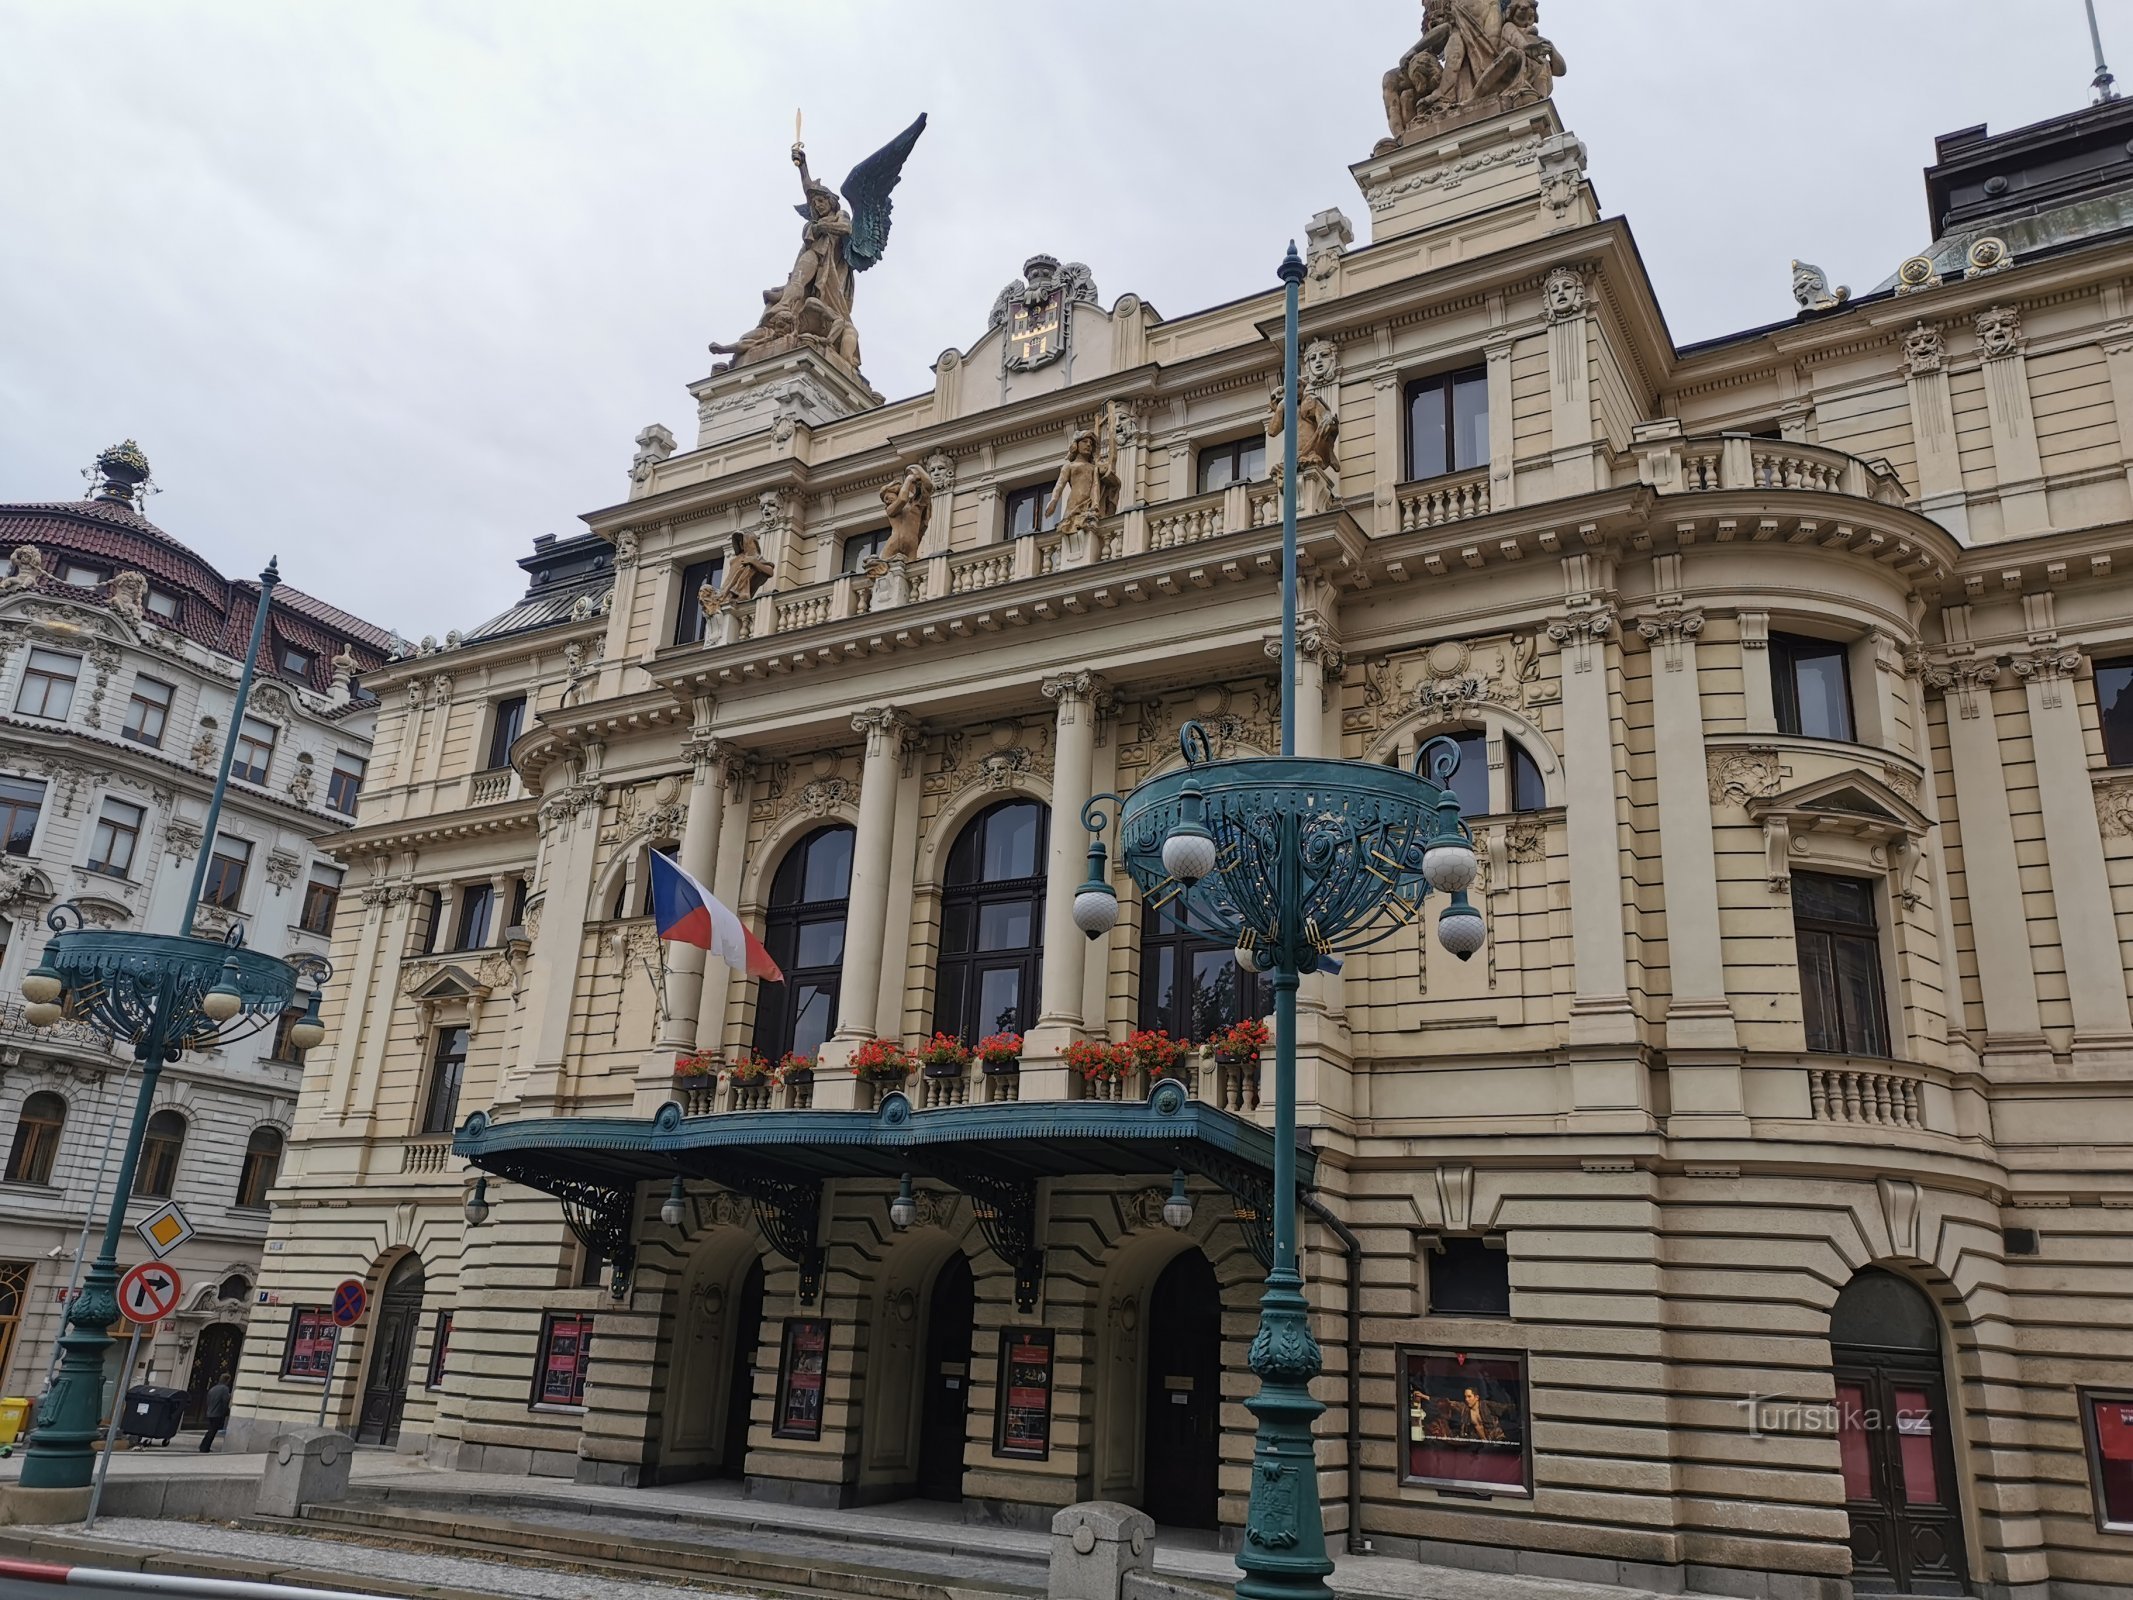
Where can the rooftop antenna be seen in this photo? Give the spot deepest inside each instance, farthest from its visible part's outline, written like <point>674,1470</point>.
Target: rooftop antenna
<point>2104,82</point>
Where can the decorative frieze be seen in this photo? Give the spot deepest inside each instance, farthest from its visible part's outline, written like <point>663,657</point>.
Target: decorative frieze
<point>2114,807</point>
<point>1739,776</point>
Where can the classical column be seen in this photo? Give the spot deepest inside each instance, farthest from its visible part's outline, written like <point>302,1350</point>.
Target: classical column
<point>859,996</point>
<point>1703,1046</point>
<point>1073,760</point>
<point>2006,976</point>
<point>699,859</point>
<point>735,771</point>
<point>2073,841</point>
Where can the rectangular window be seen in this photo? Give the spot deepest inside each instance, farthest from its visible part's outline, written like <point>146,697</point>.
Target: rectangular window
<point>114,839</point>
<point>2114,708</point>
<point>48,685</point>
<point>285,1049</point>
<point>148,712</point>
<point>432,909</point>
<point>861,548</point>
<point>1022,1426</point>
<point>1469,1277</point>
<point>345,782</point>
<point>297,662</point>
<point>1811,686</point>
<point>696,577</point>
<point>80,575</point>
<point>21,801</point>
<point>440,1351</point>
<point>2107,1420</point>
<point>225,872</point>
<point>1464,1416</point>
<point>448,1070</point>
<point>1025,512</point>
<point>162,603</point>
<point>1239,461</point>
<point>803,1373</point>
<point>477,903</point>
<point>592,1267</point>
<point>321,895</point>
<point>504,731</point>
<point>1841,997</point>
<point>255,750</point>
<point>312,1338</point>
<point>1448,423</point>
<point>566,1346</point>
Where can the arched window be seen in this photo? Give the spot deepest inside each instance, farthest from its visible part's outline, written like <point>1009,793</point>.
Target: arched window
<point>235,1287</point>
<point>1191,985</point>
<point>804,934</point>
<point>1529,791</point>
<point>37,1130</point>
<point>262,1165</point>
<point>992,923</point>
<point>160,1148</point>
<point>633,889</point>
<point>1524,787</point>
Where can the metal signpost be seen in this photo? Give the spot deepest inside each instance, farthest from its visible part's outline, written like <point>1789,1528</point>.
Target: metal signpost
<point>146,1295</point>
<point>350,1300</point>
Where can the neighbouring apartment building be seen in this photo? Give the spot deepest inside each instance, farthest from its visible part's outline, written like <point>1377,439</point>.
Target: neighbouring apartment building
<point>1750,1213</point>
<point>120,650</point>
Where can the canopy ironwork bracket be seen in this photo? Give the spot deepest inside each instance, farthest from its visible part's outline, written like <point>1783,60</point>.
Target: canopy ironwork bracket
<point>1007,1216</point>
<point>1253,1191</point>
<point>600,1215</point>
<point>789,1212</point>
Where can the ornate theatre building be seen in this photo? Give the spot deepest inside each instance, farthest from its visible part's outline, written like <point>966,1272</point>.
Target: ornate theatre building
<point>1749,1213</point>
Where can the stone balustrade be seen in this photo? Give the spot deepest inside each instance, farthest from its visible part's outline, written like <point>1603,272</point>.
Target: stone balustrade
<point>1672,464</point>
<point>490,788</point>
<point>1232,1086</point>
<point>1187,522</point>
<point>981,569</point>
<point>1436,501</point>
<point>1864,1098</point>
<point>425,1155</point>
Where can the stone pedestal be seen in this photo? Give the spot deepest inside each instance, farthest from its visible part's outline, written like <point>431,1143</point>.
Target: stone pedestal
<point>306,1467</point>
<point>1488,168</point>
<point>776,394</point>
<point>892,588</point>
<point>1094,1546</point>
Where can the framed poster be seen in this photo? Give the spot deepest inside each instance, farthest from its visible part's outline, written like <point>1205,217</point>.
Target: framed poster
<point>308,1355</point>
<point>1022,1429</point>
<point>803,1375</point>
<point>559,1371</point>
<point>1464,1420</point>
<point>2107,1420</point>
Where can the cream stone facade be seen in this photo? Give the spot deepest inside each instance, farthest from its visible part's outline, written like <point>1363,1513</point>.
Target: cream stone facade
<point>1795,1078</point>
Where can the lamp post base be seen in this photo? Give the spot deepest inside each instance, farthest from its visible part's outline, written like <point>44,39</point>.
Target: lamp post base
<point>62,1453</point>
<point>1284,1550</point>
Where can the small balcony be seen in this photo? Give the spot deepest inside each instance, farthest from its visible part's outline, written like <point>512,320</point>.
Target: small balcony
<point>1672,464</point>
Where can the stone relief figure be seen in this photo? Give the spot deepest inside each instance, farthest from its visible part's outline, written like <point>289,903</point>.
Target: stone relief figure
<point>29,569</point>
<point>1088,483</point>
<point>812,309</point>
<point>129,594</point>
<point>909,504</point>
<point>1475,58</point>
<point>747,569</point>
<point>1810,287</point>
<point>1317,432</point>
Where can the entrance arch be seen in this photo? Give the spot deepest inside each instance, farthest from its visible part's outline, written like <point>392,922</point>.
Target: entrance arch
<point>713,1329</point>
<point>1182,1394</point>
<point>1895,1439</point>
<point>944,1400</point>
<point>392,1344</point>
<point>215,1358</point>
<point>914,1421</point>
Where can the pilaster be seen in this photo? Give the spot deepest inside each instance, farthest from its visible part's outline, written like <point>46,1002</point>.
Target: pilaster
<point>2017,463</point>
<point>570,824</point>
<point>1503,440</point>
<point>734,770</point>
<point>1391,452</point>
<point>699,858</point>
<point>1940,472</point>
<point>1569,382</point>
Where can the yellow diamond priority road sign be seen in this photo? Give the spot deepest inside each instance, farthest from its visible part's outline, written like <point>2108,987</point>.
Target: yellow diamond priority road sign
<point>164,1229</point>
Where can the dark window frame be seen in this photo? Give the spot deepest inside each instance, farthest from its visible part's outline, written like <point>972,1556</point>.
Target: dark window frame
<point>2088,1399</point>
<point>977,895</point>
<point>35,1148</point>
<point>321,900</point>
<point>1032,495</point>
<point>297,660</point>
<point>1415,428</point>
<point>1232,454</point>
<point>1788,651</point>
<point>1404,1432</point>
<point>250,744</point>
<point>470,932</point>
<point>2117,732</point>
<point>156,1178</point>
<point>316,1325</point>
<point>284,1048</point>
<point>140,707</point>
<point>15,839</point>
<point>507,720</point>
<point>1250,994</point>
<point>344,784</point>
<point>855,550</point>
<point>689,620</point>
<point>440,1349</point>
<point>128,832</point>
<point>1470,1249</point>
<point>1818,941</point>
<point>788,915</point>
<point>445,1082</point>
<point>47,681</point>
<point>251,1187</point>
<point>223,887</point>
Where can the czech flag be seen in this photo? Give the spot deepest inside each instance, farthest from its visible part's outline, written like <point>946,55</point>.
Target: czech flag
<point>688,913</point>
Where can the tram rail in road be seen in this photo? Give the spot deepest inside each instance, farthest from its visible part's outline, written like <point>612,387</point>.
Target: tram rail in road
<point>44,1580</point>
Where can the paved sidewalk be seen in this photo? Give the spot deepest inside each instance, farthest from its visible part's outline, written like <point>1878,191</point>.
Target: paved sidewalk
<point>716,1513</point>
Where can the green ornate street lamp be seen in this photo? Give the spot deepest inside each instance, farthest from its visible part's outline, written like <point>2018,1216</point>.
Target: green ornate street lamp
<point>1295,862</point>
<point>163,994</point>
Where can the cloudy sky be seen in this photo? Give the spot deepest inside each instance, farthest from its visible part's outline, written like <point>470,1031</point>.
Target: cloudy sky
<point>388,287</point>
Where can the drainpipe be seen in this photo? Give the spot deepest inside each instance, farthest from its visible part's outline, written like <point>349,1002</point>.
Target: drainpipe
<point>1352,1249</point>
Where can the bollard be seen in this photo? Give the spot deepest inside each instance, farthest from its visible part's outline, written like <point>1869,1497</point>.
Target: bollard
<point>1094,1546</point>
<point>305,1468</point>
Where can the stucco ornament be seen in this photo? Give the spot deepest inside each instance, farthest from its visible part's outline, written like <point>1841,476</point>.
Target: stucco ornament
<point>1475,58</point>
<point>29,569</point>
<point>654,445</point>
<point>1036,309</point>
<point>1923,351</point>
<point>812,309</point>
<point>1999,332</point>
<point>1565,294</point>
<point>1810,287</point>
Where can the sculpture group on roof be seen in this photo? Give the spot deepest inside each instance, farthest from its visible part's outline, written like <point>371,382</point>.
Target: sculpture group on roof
<point>1475,58</point>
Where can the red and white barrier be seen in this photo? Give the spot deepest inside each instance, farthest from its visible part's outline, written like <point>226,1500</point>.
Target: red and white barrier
<point>36,1580</point>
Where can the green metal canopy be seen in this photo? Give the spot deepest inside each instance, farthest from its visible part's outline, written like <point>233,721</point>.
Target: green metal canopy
<point>780,1159</point>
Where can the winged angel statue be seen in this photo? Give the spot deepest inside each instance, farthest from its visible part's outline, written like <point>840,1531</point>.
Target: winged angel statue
<point>812,309</point>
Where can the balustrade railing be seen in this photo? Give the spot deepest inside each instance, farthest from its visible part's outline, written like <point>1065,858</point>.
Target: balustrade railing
<point>950,1090</point>
<point>981,569</point>
<point>428,1156</point>
<point>1865,1099</point>
<point>805,610</point>
<point>1186,523</point>
<point>1676,465</point>
<point>1436,501</point>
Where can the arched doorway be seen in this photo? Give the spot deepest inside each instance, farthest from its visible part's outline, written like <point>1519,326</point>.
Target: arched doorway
<point>1894,1439</point>
<point>944,1404</point>
<point>214,1361</point>
<point>740,1371</point>
<point>1183,1395</point>
<point>392,1342</point>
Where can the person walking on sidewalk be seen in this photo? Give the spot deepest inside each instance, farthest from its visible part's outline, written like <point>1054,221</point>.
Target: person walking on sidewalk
<point>218,1413</point>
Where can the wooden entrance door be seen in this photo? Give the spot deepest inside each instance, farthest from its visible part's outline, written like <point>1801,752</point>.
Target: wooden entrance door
<point>1184,1394</point>
<point>214,1361</point>
<point>1895,1441</point>
<point>398,1317</point>
<point>945,1405</point>
<point>740,1372</point>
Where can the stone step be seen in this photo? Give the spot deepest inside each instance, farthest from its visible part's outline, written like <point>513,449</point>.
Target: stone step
<point>788,1574</point>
